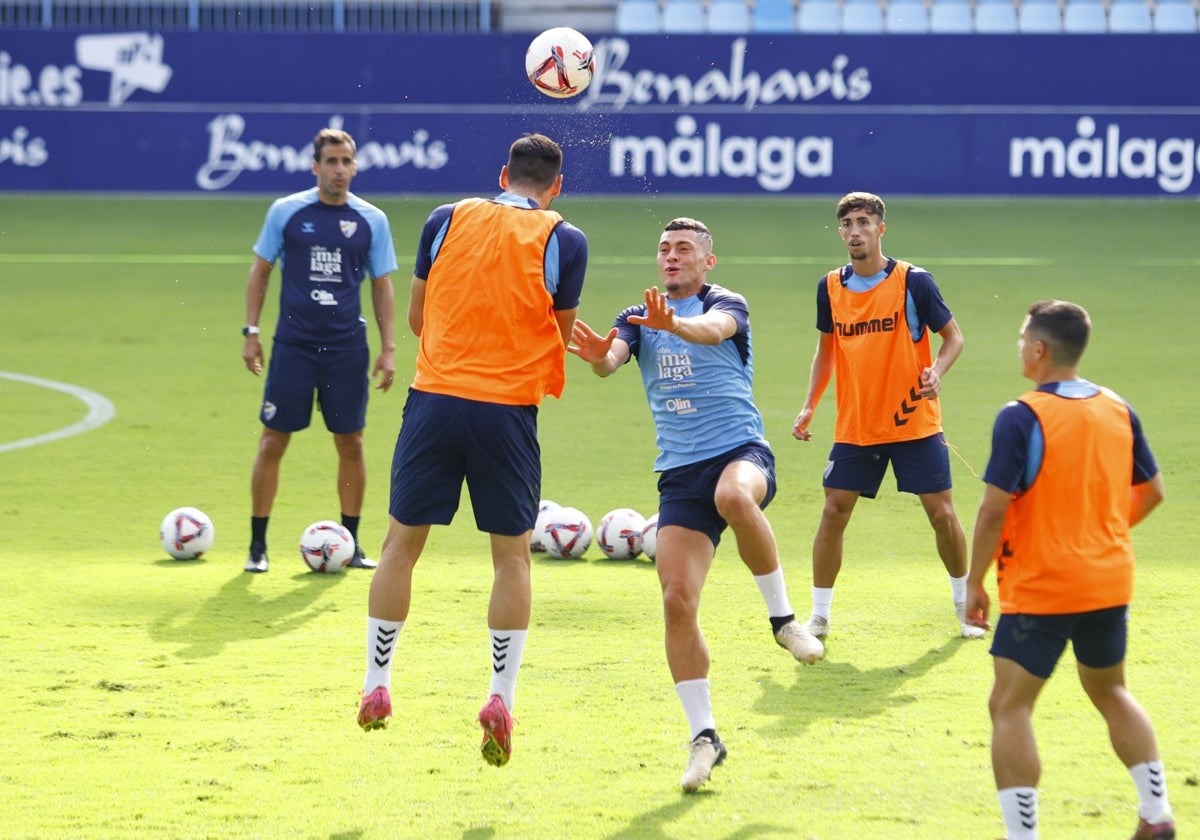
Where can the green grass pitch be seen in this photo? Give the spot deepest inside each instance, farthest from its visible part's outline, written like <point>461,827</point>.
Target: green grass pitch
<point>145,697</point>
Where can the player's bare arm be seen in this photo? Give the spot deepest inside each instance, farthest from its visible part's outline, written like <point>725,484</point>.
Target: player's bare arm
<point>256,292</point>
<point>384,303</point>
<point>712,327</point>
<point>416,305</point>
<point>566,322</point>
<point>989,524</point>
<point>1144,497</point>
<point>818,381</point>
<point>948,353</point>
<point>602,352</point>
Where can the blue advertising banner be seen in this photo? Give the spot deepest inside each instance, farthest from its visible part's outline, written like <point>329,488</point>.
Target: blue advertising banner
<point>985,115</point>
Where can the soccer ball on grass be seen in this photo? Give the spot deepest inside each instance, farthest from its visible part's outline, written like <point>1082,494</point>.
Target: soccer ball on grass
<point>186,533</point>
<point>567,534</point>
<point>326,546</point>
<point>620,533</point>
<point>537,536</point>
<point>650,537</point>
<point>560,62</point>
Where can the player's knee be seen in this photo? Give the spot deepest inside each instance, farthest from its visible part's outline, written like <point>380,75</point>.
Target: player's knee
<point>272,444</point>
<point>349,446</point>
<point>680,603</point>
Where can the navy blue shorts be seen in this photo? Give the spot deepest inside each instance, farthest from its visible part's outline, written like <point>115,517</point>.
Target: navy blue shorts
<point>446,440</point>
<point>338,377</point>
<point>920,466</point>
<point>686,494</point>
<point>1036,642</point>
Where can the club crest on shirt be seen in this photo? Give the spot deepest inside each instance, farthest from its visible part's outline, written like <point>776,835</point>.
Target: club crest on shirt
<point>348,227</point>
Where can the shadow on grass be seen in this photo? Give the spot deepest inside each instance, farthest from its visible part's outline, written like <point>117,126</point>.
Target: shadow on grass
<point>652,825</point>
<point>841,691</point>
<point>236,612</point>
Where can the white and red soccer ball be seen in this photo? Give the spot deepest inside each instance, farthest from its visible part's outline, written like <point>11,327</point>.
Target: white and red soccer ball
<point>620,533</point>
<point>186,533</point>
<point>326,546</point>
<point>650,537</point>
<point>560,62</point>
<point>567,533</point>
<point>537,536</point>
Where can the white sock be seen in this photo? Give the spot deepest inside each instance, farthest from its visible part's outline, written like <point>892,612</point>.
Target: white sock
<point>958,591</point>
<point>822,601</point>
<point>1019,805</point>
<point>774,592</point>
<point>381,644</point>
<point>697,704</point>
<point>508,646</point>
<point>1151,782</point>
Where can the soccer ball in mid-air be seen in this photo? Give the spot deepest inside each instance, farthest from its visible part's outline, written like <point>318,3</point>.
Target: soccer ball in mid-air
<point>186,533</point>
<point>650,537</point>
<point>536,537</point>
<point>326,546</point>
<point>620,533</point>
<point>567,534</point>
<point>560,62</point>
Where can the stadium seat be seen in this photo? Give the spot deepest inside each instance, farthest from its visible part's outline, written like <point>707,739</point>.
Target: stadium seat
<point>1038,17</point>
<point>1084,16</point>
<point>907,16</point>
<point>1174,17</point>
<point>635,17</point>
<point>951,16</point>
<point>682,17</point>
<point>819,16</point>
<point>994,18</point>
<point>862,17</point>
<point>1130,17</point>
<point>773,16</point>
<point>728,16</point>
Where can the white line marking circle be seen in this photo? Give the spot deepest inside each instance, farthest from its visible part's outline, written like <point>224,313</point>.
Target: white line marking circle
<point>100,411</point>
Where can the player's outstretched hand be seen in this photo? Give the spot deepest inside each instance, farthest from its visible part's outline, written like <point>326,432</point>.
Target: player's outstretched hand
<point>660,315</point>
<point>588,344</point>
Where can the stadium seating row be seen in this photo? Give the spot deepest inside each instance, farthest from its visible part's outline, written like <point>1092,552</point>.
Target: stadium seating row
<point>904,16</point>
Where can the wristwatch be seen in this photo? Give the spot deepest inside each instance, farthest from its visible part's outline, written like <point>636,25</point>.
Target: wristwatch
<point>249,330</point>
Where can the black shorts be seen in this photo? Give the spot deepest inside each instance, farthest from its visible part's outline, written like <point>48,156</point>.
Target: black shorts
<point>921,466</point>
<point>686,494</point>
<point>1036,642</point>
<point>445,440</point>
<point>338,378</point>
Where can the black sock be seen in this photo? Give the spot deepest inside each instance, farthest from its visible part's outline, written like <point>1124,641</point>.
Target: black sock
<point>258,530</point>
<point>351,525</point>
<point>777,621</point>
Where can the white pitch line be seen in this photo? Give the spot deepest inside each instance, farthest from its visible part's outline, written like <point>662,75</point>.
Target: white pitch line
<point>100,411</point>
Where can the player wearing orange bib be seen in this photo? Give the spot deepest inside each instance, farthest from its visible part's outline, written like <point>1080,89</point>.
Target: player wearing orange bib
<point>495,290</point>
<point>1070,474</point>
<point>875,315</point>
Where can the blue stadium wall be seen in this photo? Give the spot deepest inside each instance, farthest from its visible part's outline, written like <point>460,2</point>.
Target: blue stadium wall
<point>1080,115</point>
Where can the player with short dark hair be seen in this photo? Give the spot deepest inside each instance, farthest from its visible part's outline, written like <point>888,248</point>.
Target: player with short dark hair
<point>327,241</point>
<point>494,294</point>
<point>875,315</point>
<point>1069,476</point>
<point>692,345</point>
